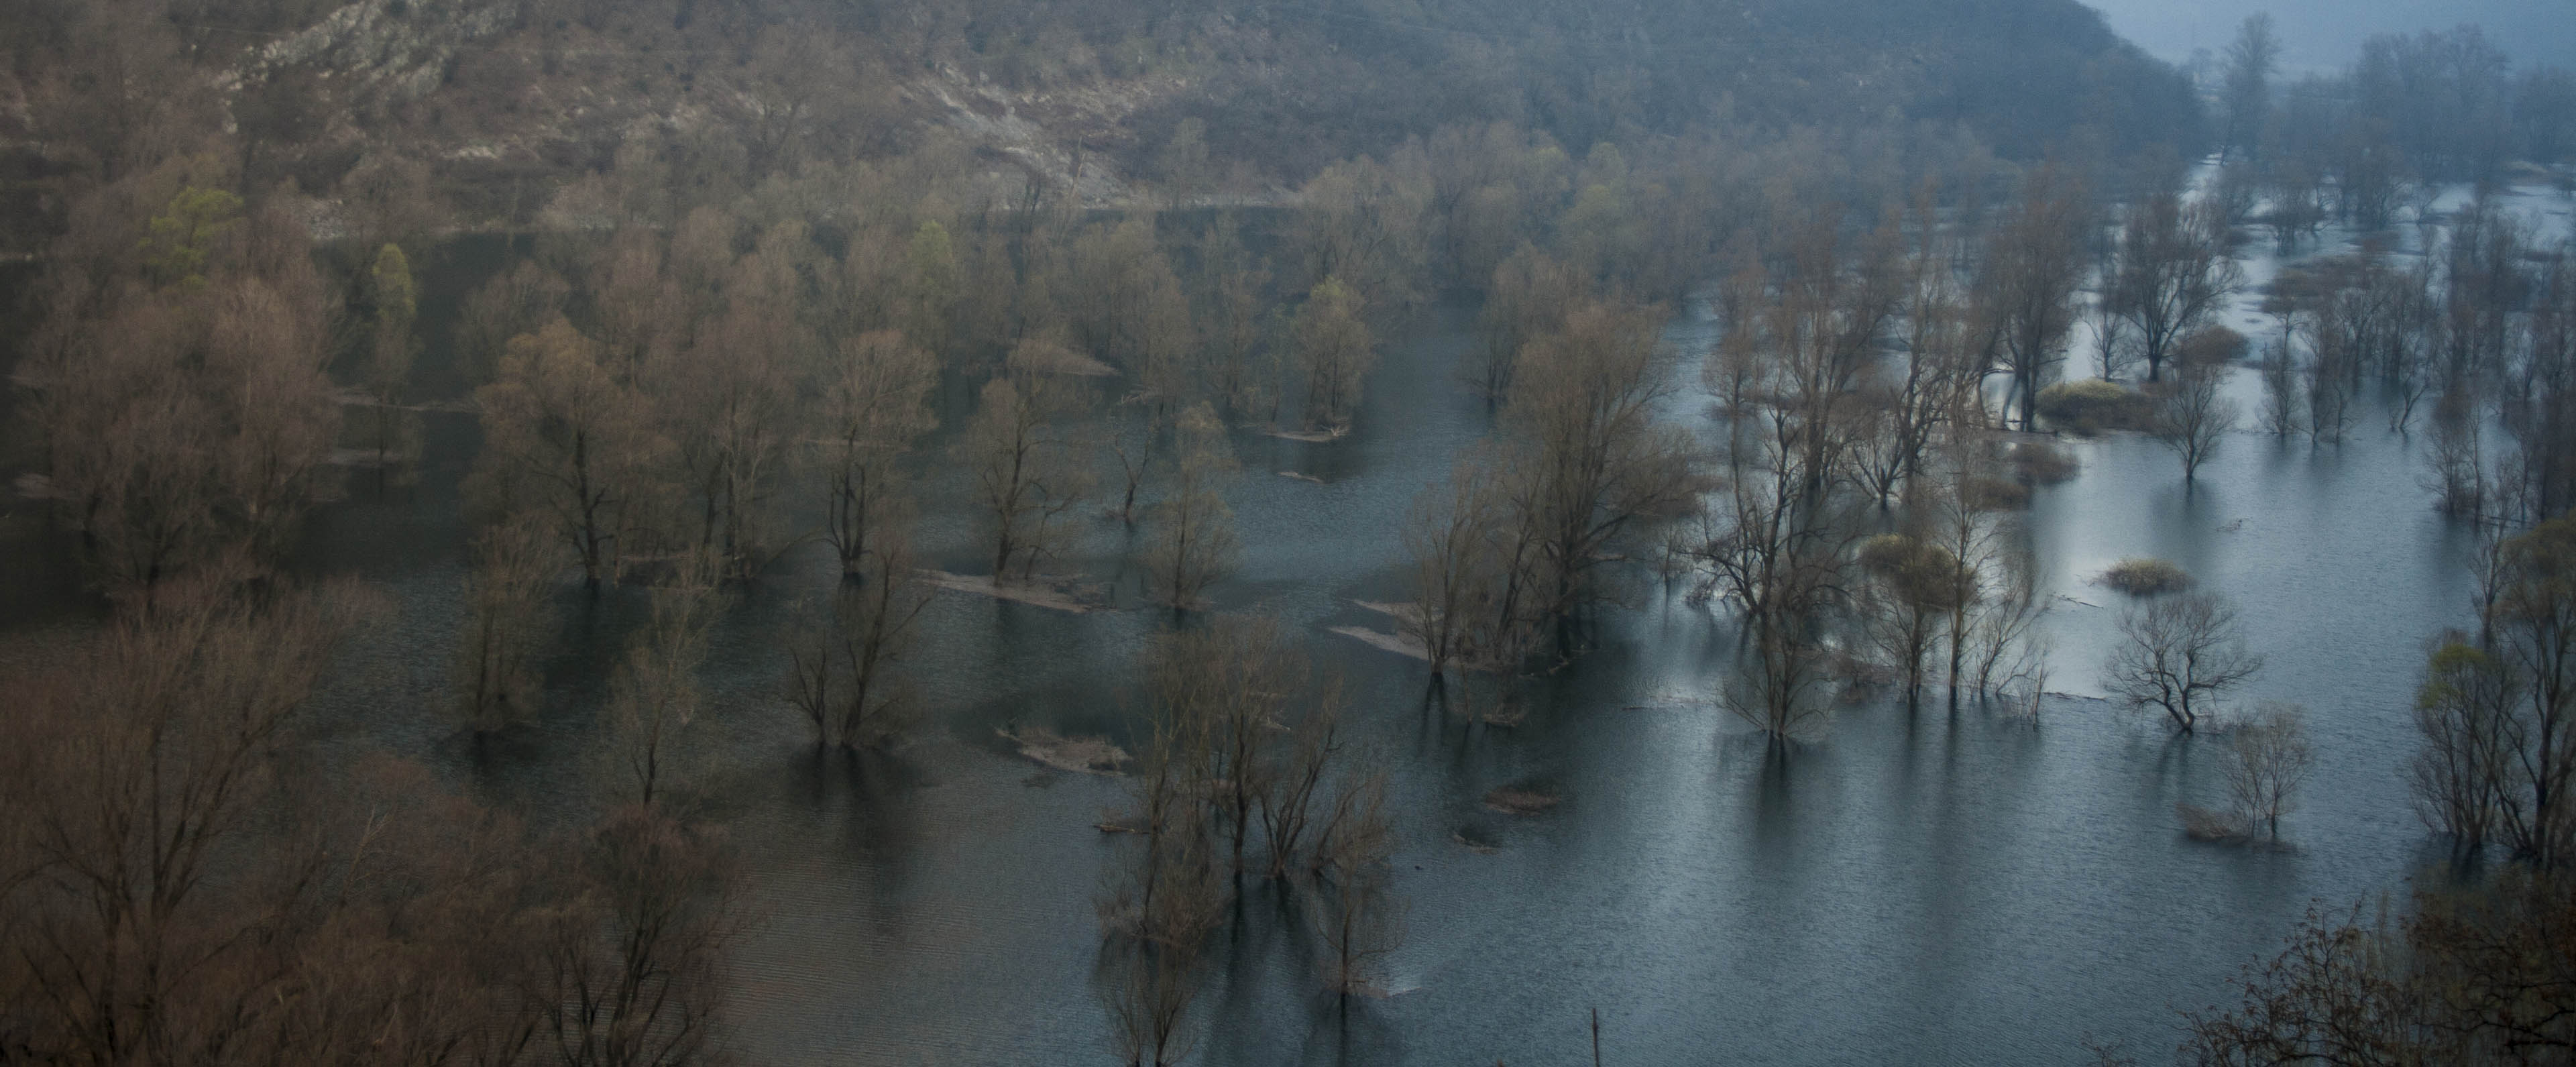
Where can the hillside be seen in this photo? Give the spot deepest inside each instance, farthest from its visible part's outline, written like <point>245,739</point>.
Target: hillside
<point>496,106</point>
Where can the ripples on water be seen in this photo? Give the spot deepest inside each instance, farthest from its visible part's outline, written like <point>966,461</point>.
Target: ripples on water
<point>1916,888</point>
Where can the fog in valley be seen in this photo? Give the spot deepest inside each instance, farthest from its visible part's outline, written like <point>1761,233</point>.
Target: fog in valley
<point>678,532</point>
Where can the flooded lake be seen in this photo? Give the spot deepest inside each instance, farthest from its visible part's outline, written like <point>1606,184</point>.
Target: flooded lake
<point>1920,888</point>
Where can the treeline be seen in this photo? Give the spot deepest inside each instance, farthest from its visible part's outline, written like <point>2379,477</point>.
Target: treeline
<point>2414,112</point>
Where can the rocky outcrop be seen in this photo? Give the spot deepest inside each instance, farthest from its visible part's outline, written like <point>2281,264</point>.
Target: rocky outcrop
<point>400,49</point>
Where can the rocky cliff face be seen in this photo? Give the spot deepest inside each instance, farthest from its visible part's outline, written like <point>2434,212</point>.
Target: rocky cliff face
<point>395,50</point>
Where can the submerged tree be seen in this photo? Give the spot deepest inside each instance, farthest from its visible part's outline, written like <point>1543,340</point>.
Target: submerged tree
<point>1527,296</point>
<point>1225,687</point>
<point>2179,655</point>
<point>1913,592</point>
<point>569,438</point>
<point>1335,351</point>
<point>2030,274</point>
<point>2191,416</point>
<point>2172,273</point>
<point>728,400</point>
<point>507,626</point>
<point>874,411</point>
<point>2477,975</point>
<point>2268,758</point>
<point>1028,470</point>
<point>1596,463</point>
<point>845,658</point>
<point>656,696</point>
<point>634,972</point>
<point>2498,712</point>
<point>1355,910</point>
<point>1193,542</point>
<point>1458,572</point>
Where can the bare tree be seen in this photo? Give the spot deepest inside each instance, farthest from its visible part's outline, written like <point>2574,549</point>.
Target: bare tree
<point>1449,537</point>
<point>1914,590</point>
<point>1362,223</point>
<point>1193,542</point>
<point>1295,783</point>
<point>567,437</point>
<point>2172,273</point>
<point>2329,375</point>
<point>634,971</point>
<point>874,411</point>
<point>1161,905</point>
<point>1909,407</point>
<point>141,915</point>
<point>1527,296</point>
<point>1784,564</point>
<point>655,696</point>
<point>2179,655</point>
<point>519,300</point>
<point>1598,463</point>
<point>1334,348</point>
<point>1355,911</point>
<point>2455,977</point>
<point>1989,594</point>
<point>183,408</point>
<point>2028,282</point>
<point>1135,438</point>
<point>728,399</point>
<point>1240,371</point>
<point>2455,457</point>
<point>2463,773</point>
<point>2268,758</point>
<point>2279,371</point>
<point>2247,81</point>
<point>507,626</point>
<point>2191,416</point>
<point>2008,650</point>
<point>1027,468</point>
<point>1226,687</point>
<point>2532,628</point>
<point>846,661</point>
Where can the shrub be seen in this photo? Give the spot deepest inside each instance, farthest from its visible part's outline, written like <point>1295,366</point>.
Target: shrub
<point>2041,463</point>
<point>1998,494</point>
<point>2092,405</point>
<point>2139,576</point>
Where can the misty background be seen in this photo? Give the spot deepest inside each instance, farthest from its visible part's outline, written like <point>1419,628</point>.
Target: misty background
<point>2324,35</point>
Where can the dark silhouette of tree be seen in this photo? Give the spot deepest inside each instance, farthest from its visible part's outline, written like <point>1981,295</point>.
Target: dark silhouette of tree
<point>2179,654</point>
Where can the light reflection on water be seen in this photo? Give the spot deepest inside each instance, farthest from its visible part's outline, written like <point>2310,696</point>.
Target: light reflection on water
<point>1914,888</point>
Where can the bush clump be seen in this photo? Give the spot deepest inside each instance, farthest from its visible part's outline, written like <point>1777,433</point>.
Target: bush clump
<point>1923,574</point>
<point>1997,494</point>
<point>2139,576</point>
<point>2041,463</point>
<point>2092,405</point>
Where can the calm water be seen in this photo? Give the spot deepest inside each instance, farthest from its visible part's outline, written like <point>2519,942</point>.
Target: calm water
<point>1914,888</point>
